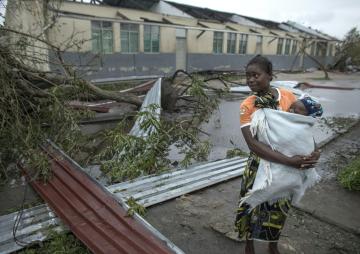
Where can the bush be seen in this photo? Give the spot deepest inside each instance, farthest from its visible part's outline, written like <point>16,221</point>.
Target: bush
<point>349,177</point>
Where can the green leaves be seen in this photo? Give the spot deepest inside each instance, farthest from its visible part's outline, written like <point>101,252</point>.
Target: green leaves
<point>349,177</point>
<point>128,156</point>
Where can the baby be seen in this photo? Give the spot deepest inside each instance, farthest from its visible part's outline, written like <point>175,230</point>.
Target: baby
<point>306,106</point>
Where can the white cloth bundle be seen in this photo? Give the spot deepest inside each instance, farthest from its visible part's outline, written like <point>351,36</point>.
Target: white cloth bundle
<point>289,134</point>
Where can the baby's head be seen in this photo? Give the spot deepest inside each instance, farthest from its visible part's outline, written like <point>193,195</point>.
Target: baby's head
<point>307,107</point>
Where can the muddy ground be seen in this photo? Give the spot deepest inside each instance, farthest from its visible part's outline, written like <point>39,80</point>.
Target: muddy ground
<point>202,222</point>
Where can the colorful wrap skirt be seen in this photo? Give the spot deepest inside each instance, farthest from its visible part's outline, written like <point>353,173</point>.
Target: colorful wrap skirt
<point>265,221</point>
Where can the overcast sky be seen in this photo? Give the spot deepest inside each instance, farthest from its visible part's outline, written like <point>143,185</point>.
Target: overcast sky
<point>334,17</point>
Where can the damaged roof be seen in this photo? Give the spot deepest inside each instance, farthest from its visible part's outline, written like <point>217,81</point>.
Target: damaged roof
<point>204,13</point>
<point>218,16</point>
<point>310,31</point>
<point>133,4</point>
<point>265,23</point>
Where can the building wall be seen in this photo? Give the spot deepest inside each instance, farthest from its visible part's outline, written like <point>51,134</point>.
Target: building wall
<point>69,31</point>
<point>167,40</point>
<point>200,54</point>
<point>28,17</point>
<point>198,62</point>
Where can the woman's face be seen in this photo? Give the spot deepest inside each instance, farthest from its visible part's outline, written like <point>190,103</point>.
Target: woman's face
<point>257,79</point>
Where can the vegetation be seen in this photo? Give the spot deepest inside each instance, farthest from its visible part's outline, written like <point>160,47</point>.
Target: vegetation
<point>134,207</point>
<point>348,51</point>
<point>231,153</point>
<point>33,108</point>
<point>349,177</point>
<point>127,156</point>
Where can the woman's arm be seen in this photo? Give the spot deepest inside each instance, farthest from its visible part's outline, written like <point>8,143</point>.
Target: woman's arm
<point>265,152</point>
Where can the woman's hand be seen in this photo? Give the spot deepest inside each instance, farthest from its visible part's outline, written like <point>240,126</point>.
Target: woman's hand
<point>316,154</point>
<point>304,162</point>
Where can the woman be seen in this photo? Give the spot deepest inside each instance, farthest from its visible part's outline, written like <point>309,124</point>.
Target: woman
<point>265,221</point>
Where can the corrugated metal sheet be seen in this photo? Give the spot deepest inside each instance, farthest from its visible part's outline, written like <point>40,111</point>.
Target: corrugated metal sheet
<point>90,211</point>
<point>152,97</point>
<point>36,220</point>
<point>152,190</point>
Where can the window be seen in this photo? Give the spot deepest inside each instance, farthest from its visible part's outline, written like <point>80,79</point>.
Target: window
<point>321,48</point>
<point>243,44</point>
<point>151,38</point>
<point>330,50</point>
<point>279,50</point>
<point>102,36</point>
<point>312,50</point>
<point>259,40</point>
<point>231,43</point>
<point>129,38</point>
<point>218,42</point>
<point>287,46</point>
<point>294,47</point>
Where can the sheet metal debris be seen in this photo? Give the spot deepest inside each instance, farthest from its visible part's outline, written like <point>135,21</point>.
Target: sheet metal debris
<point>98,106</point>
<point>92,213</point>
<point>152,97</point>
<point>149,190</point>
<point>140,88</point>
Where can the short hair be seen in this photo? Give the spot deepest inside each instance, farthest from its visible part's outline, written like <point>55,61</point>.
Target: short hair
<point>263,63</point>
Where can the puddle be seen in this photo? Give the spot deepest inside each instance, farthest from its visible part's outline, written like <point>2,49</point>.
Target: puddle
<point>224,125</point>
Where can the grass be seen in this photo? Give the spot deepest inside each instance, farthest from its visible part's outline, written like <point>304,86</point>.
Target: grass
<point>349,177</point>
<point>235,152</point>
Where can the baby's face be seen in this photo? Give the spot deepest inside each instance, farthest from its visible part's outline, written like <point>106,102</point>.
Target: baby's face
<point>298,108</point>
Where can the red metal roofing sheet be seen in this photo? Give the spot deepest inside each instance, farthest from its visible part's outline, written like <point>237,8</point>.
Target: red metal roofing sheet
<point>92,213</point>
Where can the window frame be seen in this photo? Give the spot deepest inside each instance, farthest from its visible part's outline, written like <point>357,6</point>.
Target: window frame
<point>287,46</point>
<point>101,32</point>
<point>312,48</point>
<point>280,46</point>
<point>259,44</point>
<point>243,43</point>
<point>129,35</point>
<point>231,43</point>
<point>218,42</point>
<point>152,38</point>
<point>294,47</point>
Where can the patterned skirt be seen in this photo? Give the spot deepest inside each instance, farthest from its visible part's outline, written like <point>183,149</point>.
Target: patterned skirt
<point>265,221</point>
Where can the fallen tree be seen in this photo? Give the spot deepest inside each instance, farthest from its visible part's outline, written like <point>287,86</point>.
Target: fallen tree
<point>32,103</point>
<point>33,108</point>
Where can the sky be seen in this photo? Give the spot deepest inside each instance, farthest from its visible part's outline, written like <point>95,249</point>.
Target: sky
<point>334,17</point>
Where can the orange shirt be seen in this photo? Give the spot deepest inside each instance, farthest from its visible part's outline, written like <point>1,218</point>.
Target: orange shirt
<point>247,107</point>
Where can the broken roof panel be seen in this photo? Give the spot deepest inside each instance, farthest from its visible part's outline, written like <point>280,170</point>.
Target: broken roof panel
<point>203,13</point>
<point>264,23</point>
<point>92,213</point>
<point>134,4</point>
<point>309,30</point>
<point>243,21</point>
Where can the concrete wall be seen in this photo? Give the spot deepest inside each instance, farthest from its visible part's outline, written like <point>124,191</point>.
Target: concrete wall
<point>91,66</point>
<point>197,62</point>
<point>70,31</point>
<point>121,65</point>
<point>28,17</point>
